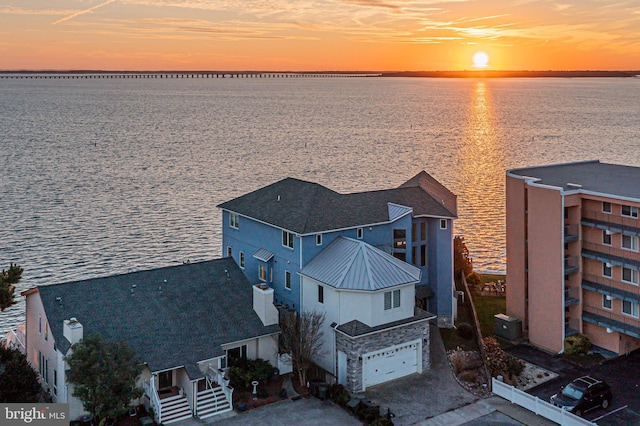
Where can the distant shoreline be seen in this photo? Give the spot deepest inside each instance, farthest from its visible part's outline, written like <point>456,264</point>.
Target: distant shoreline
<point>424,74</point>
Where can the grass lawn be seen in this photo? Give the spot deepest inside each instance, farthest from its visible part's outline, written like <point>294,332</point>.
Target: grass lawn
<point>488,306</point>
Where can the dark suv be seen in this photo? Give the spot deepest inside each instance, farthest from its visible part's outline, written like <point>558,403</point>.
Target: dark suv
<point>583,394</point>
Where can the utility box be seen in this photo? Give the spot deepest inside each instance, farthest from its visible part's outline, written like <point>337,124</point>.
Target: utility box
<point>508,328</point>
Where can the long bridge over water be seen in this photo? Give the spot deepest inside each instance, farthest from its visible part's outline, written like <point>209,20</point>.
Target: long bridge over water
<point>203,74</point>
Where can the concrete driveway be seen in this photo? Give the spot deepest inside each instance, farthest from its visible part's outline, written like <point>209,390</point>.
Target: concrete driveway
<point>422,396</point>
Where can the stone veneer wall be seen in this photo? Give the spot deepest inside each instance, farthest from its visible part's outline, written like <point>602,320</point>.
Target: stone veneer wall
<point>358,346</point>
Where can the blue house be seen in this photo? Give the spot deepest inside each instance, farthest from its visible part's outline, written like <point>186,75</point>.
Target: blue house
<point>275,231</point>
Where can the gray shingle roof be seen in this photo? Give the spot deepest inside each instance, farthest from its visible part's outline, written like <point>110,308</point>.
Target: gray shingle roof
<point>305,207</point>
<point>348,264</point>
<point>593,176</point>
<point>357,328</point>
<point>198,308</point>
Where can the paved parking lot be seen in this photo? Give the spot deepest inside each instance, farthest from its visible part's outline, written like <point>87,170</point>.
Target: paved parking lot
<point>622,373</point>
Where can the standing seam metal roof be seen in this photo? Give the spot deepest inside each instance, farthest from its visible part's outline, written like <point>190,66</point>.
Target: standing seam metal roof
<point>348,264</point>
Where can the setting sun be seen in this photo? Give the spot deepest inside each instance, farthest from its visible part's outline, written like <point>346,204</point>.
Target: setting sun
<point>480,60</point>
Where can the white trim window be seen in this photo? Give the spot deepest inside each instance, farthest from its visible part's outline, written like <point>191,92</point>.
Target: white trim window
<point>262,273</point>
<point>287,239</point>
<point>391,299</point>
<point>287,280</point>
<point>606,207</point>
<point>607,302</point>
<point>606,238</point>
<point>360,233</point>
<point>320,294</point>
<point>241,260</point>
<point>606,270</point>
<point>318,239</point>
<point>630,275</point>
<point>629,211</point>
<point>234,220</point>
<point>629,242</point>
<point>443,223</point>
<point>630,308</point>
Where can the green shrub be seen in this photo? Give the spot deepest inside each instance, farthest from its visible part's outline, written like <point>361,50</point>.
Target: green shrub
<point>468,376</point>
<point>578,344</point>
<point>474,279</point>
<point>247,370</point>
<point>465,330</point>
<point>515,366</point>
<point>339,394</point>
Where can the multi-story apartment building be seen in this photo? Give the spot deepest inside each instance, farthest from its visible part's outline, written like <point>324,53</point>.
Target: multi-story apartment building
<point>572,253</point>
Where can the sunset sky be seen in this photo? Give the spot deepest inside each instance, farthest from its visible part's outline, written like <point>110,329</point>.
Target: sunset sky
<point>305,35</point>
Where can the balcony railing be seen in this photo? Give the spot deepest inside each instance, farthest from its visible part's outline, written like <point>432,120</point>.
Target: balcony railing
<point>612,321</point>
<point>614,223</point>
<point>613,255</point>
<point>571,327</point>
<point>621,290</point>
<point>571,233</point>
<point>571,264</point>
<point>571,296</point>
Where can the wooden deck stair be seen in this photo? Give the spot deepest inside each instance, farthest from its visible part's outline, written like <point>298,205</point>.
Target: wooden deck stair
<point>175,408</point>
<point>212,402</point>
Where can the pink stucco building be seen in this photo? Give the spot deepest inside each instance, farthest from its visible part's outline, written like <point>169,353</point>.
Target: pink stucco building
<point>572,253</point>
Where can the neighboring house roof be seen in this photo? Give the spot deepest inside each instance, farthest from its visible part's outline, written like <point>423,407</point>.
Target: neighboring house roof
<point>587,176</point>
<point>349,264</point>
<point>174,316</point>
<point>355,328</point>
<point>305,207</point>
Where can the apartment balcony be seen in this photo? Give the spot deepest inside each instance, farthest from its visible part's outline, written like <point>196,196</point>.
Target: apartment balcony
<point>571,327</point>
<point>571,265</point>
<point>613,255</point>
<point>610,222</point>
<point>611,321</point>
<point>571,233</point>
<point>609,287</point>
<point>571,296</point>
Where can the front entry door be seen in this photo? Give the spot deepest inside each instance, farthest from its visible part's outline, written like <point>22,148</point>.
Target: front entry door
<point>165,379</point>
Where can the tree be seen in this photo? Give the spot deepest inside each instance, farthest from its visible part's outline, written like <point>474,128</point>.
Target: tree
<point>302,336</point>
<point>18,380</point>
<point>104,376</point>
<point>8,279</point>
<point>461,259</point>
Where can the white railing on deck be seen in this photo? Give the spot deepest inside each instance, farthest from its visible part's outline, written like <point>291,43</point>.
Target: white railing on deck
<point>218,376</point>
<point>537,406</point>
<point>150,390</point>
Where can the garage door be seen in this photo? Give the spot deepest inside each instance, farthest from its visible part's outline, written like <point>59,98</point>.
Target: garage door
<point>391,363</point>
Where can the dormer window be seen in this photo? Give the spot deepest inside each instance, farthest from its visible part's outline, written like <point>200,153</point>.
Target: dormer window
<point>443,223</point>
<point>359,233</point>
<point>319,239</point>
<point>234,220</point>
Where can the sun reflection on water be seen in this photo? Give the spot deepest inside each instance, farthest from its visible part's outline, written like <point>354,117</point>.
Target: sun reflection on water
<point>482,178</point>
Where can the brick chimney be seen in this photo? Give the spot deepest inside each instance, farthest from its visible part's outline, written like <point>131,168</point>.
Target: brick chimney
<point>263,304</point>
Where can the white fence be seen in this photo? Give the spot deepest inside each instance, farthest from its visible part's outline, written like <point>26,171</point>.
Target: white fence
<point>538,406</point>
